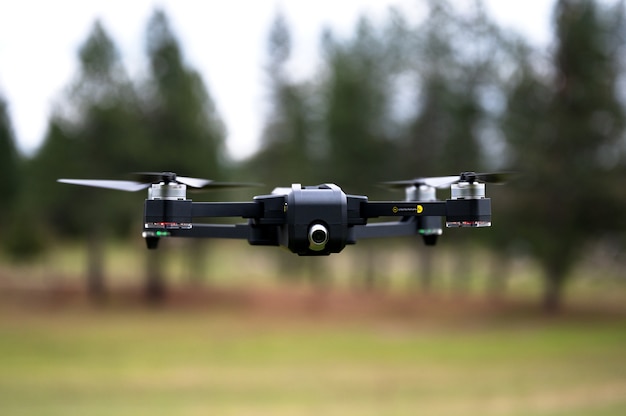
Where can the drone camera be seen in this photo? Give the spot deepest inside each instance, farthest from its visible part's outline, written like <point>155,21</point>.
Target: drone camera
<point>318,237</point>
<point>317,220</point>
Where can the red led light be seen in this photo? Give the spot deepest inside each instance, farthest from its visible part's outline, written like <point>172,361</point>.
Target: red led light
<point>167,225</point>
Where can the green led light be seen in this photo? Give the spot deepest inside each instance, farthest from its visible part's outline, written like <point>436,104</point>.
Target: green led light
<point>162,233</point>
<point>429,231</point>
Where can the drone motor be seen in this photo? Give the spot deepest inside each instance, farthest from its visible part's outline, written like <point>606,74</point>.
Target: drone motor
<point>172,191</point>
<point>428,227</point>
<point>421,192</point>
<point>467,190</point>
<point>472,196</point>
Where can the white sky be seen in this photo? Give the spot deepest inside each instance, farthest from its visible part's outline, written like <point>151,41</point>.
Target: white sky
<point>224,40</point>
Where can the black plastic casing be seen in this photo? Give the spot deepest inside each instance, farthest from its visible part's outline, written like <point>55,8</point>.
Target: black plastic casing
<point>468,210</point>
<point>265,231</point>
<point>168,211</point>
<point>327,205</point>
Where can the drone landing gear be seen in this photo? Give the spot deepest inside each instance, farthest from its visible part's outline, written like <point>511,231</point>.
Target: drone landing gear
<point>152,242</point>
<point>430,240</point>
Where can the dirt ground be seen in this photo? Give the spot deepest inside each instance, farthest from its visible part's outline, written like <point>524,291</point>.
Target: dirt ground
<point>297,302</point>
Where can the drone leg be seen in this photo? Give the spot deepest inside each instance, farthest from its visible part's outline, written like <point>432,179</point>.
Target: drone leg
<point>152,242</point>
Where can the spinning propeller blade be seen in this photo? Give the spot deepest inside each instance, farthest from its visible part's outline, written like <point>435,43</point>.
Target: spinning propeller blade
<point>226,185</point>
<point>155,177</point>
<point>129,186</point>
<point>198,183</point>
<point>445,181</point>
<point>148,178</point>
<point>491,177</point>
<point>435,182</point>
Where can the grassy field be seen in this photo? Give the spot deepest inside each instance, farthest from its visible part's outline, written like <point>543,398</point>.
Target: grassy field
<point>266,348</point>
<point>134,361</point>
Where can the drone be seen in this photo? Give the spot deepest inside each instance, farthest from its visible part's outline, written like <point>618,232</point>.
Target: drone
<point>307,220</point>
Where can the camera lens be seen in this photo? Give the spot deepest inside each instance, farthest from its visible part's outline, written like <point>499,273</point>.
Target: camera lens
<point>318,237</point>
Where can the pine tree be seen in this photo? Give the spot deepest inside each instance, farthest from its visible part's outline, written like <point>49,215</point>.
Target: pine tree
<point>9,165</point>
<point>560,129</point>
<point>354,123</point>
<point>452,58</point>
<point>355,107</point>
<point>186,134</point>
<point>93,133</point>
<point>13,239</point>
<point>287,144</point>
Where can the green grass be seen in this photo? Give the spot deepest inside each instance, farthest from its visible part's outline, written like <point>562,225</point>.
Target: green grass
<point>79,361</point>
<point>130,361</point>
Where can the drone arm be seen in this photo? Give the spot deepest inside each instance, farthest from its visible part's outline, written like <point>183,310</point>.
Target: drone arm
<point>176,218</point>
<point>460,212</point>
<point>164,211</point>
<point>226,209</point>
<point>229,231</point>
<point>403,209</point>
<point>402,228</point>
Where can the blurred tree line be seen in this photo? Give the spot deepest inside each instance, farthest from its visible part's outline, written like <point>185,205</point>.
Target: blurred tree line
<point>393,100</point>
<point>104,125</point>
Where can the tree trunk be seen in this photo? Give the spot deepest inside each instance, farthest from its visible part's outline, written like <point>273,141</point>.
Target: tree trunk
<point>368,269</point>
<point>197,252</point>
<point>426,269</point>
<point>95,266</point>
<point>291,267</point>
<point>422,270</point>
<point>553,291</point>
<point>155,282</point>
<point>461,271</point>
<point>500,270</point>
<point>318,274</point>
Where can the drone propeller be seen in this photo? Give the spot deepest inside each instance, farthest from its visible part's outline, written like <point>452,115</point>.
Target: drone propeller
<point>149,178</point>
<point>444,181</point>
<point>198,183</point>
<point>435,182</point>
<point>129,186</point>
<point>490,177</point>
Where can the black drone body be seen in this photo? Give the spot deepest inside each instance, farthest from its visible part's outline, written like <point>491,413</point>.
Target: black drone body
<point>307,220</point>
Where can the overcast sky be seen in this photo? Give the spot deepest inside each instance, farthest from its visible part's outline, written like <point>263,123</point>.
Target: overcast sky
<point>224,40</point>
